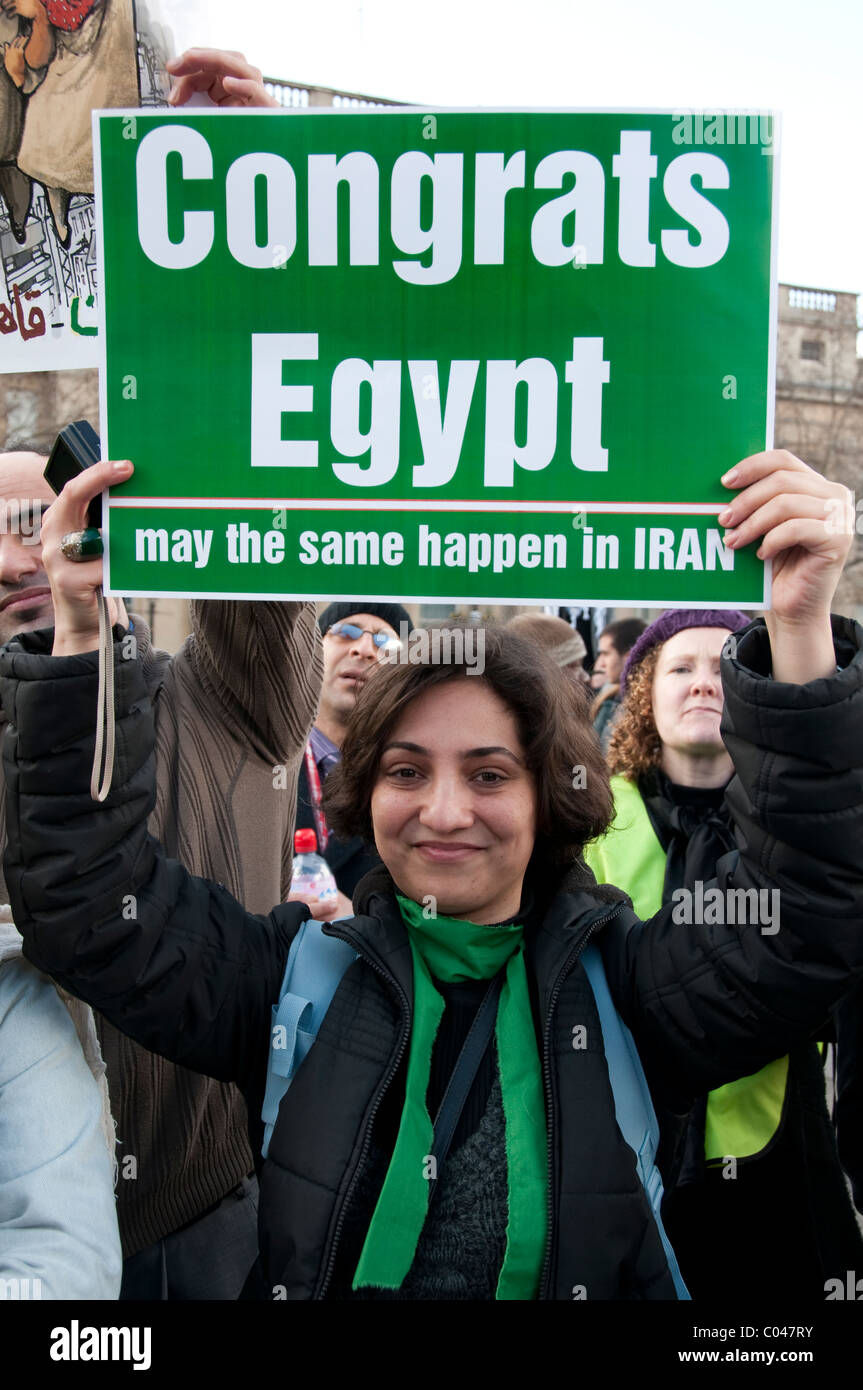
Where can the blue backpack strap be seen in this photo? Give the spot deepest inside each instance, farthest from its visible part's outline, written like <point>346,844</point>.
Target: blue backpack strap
<point>633,1106</point>
<point>315,966</point>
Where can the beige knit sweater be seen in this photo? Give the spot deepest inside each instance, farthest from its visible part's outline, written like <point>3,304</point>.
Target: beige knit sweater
<point>233,710</point>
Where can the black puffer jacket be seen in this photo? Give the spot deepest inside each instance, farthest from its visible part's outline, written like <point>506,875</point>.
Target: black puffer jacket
<point>186,971</point>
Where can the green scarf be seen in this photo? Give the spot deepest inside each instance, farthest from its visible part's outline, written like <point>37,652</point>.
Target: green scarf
<point>454,951</point>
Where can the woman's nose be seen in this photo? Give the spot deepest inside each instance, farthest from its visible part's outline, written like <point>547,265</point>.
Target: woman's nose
<point>446,805</point>
<point>706,680</point>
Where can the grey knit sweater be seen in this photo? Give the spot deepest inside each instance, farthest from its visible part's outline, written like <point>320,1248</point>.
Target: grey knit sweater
<point>232,710</point>
<point>460,1251</point>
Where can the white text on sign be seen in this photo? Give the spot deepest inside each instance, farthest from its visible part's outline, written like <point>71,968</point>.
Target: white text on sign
<point>497,183</point>
<point>441,424</point>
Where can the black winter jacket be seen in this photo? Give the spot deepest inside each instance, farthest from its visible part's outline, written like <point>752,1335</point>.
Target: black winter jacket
<point>178,964</point>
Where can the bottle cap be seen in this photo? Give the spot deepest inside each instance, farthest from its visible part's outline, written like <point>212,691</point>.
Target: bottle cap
<point>305,842</point>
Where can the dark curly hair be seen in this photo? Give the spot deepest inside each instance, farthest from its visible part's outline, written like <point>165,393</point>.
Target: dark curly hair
<point>574,802</point>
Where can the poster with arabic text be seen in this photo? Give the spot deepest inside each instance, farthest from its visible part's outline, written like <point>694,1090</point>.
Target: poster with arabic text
<point>59,61</point>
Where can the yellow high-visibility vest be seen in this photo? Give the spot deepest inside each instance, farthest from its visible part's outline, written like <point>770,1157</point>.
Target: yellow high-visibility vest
<point>744,1115</point>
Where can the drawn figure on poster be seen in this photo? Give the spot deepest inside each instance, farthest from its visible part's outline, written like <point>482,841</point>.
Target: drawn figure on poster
<point>78,56</point>
<point>16,188</point>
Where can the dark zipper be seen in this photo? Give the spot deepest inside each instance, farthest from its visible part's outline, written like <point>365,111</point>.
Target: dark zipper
<point>546,1072</point>
<point>375,1106</point>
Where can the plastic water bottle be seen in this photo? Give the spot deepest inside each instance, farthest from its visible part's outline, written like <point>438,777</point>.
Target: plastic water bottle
<point>312,875</point>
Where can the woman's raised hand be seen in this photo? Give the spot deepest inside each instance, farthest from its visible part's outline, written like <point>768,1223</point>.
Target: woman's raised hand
<point>74,583</point>
<point>803,521</point>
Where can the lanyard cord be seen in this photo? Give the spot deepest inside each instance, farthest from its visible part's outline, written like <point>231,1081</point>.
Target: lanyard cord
<point>315,792</point>
<point>105,728</point>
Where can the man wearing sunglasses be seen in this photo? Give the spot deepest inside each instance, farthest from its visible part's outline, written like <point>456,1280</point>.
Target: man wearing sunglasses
<point>355,640</point>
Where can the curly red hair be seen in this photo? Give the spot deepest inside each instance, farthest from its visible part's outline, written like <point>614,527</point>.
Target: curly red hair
<point>635,746</point>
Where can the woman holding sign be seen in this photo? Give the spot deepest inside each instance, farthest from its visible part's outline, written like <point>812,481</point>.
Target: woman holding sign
<point>455,1128</point>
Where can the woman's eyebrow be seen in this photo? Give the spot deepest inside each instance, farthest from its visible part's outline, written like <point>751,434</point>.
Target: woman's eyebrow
<point>487,752</point>
<point>468,753</point>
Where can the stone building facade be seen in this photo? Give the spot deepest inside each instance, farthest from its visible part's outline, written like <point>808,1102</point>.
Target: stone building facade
<point>819,403</point>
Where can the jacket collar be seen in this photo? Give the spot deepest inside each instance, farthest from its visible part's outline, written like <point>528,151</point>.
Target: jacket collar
<point>578,907</point>
<point>40,640</point>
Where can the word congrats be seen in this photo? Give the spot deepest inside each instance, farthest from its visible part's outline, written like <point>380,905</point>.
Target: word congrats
<point>464,356</point>
<point>497,178</point>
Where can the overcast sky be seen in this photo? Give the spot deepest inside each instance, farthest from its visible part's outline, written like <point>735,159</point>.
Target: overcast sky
<point>801,58</point>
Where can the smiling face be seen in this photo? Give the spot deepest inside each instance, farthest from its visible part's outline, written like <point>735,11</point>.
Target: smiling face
<point>25,595</point>
<point>454,804</point>
<point>687,696</point>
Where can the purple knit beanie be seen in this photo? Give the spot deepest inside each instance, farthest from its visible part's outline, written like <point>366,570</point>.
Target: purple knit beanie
<point>675,620</point>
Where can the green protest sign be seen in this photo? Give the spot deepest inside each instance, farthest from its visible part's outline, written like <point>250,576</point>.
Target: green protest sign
<point>463,356</point>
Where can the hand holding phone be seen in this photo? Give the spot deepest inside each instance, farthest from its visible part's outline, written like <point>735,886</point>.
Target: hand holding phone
<point>75,586</point>
<point>76,447</point>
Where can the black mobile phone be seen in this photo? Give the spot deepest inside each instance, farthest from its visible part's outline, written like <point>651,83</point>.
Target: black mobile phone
<point>76,447</point>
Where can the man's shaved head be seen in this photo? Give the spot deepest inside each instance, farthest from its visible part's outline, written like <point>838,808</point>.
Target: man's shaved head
<point>25,595</point>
